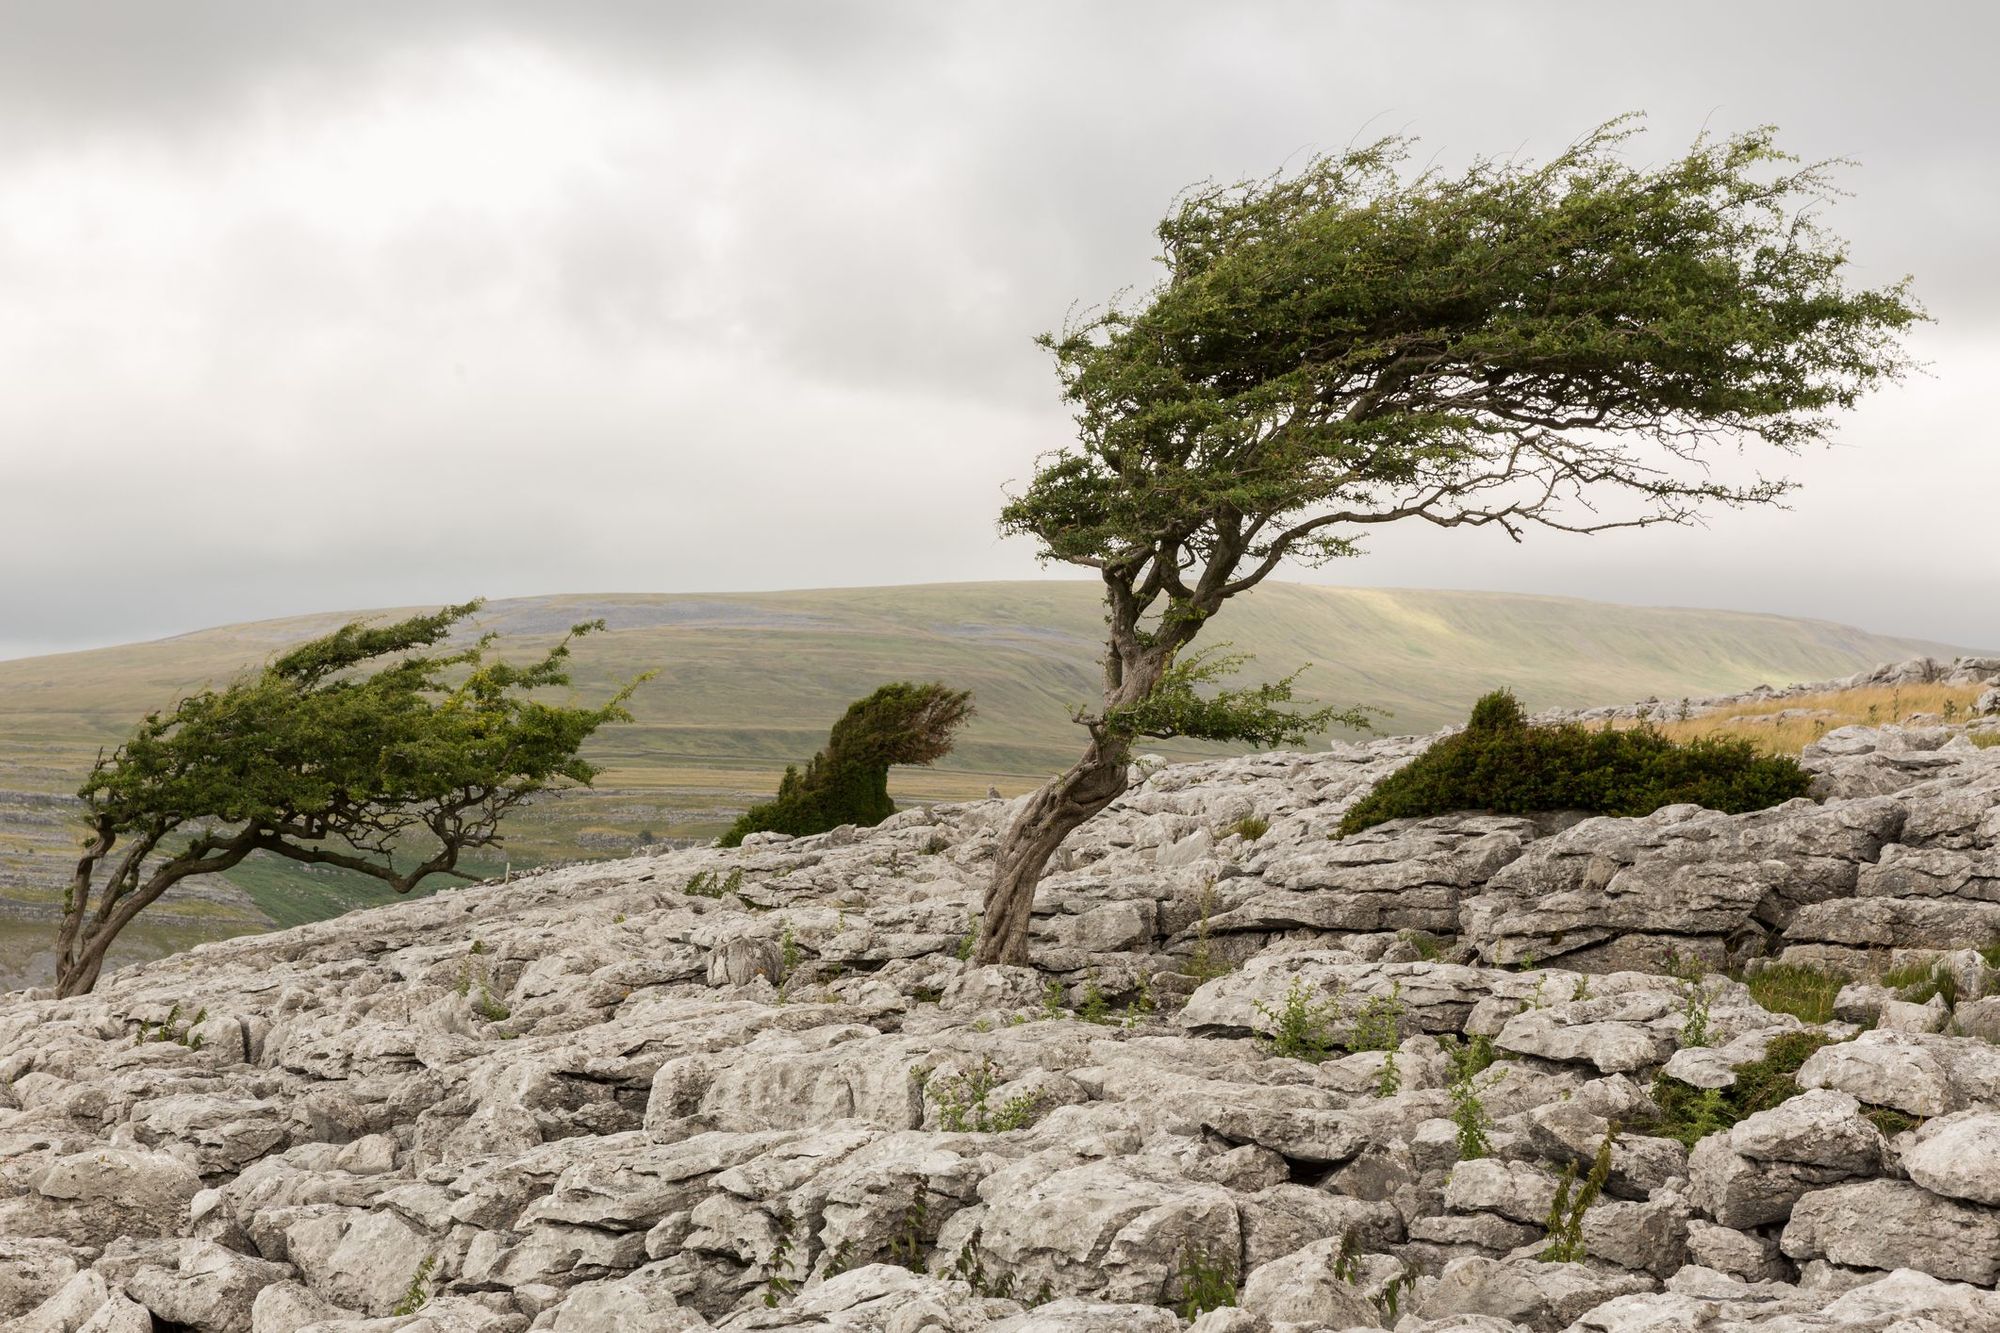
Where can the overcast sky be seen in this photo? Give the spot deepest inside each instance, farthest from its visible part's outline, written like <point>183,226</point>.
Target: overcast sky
<point>318,306</point>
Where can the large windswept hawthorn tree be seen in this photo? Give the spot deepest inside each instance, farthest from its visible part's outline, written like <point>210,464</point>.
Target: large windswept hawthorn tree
<point>352,750</point>
<point>1563,345</point>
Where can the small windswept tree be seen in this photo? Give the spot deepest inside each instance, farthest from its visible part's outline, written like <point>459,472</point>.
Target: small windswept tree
<point>345,751</point>
<point>848,781</point>
<point>1562,345</point>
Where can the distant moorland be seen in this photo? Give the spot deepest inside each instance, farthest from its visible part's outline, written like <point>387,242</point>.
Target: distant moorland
<point>749,682</point>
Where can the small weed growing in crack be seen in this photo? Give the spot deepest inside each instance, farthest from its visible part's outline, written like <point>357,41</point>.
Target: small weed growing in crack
<point>174,1028</point>
<point>1572,1201</point>
<point>963,1107</point>
<point>1347,1259</point>
<point>417,1295</point>
<point>779,1285</point>
<point>1207,1282</point>
<point>1391,1299</point>
<point>906,1247</point>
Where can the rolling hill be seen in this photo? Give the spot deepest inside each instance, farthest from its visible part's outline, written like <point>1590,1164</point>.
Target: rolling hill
<point>749,682</point>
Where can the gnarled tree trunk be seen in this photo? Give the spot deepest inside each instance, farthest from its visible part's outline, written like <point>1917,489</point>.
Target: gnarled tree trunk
<point>1061,805</point>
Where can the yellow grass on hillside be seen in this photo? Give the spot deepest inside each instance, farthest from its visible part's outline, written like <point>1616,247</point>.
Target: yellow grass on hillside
<point>1788,725</point>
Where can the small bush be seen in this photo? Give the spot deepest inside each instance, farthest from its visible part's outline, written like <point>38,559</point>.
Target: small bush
<point>709,884</point>
<point>963,1107</point>
<point>1468,1114</point>
<point>1096,1007</point>
<point>848,781</point>
<point>1300,1027</point>
<point>1379,1024</point>
<point>173,1028</point>
<point>1203,965</point>
<point>1500,763</point>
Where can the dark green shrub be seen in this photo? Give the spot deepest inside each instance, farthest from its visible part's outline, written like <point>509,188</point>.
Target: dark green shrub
<point>848,781</point>
<point>1502,764</point>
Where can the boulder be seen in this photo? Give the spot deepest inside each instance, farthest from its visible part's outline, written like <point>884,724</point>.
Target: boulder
<point>1891,1224</point>
<point>363,1260</point>
<point>1958,1156</point>
<point>1300,1288</point>
<point>94,1197</point>
<point>1541,1296</point>
<point>210,1288</point>
<point>1922,1074</point>
<point>1115,1228</point>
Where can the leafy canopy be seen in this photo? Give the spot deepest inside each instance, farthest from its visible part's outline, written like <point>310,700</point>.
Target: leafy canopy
<point>320,758</point>
<point>1189,701</point>
<point>1512,345</point>
<point>1501,763</point>
<point>848,781</point>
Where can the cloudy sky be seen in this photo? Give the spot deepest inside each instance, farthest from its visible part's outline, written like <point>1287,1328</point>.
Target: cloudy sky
<point>315,306</point>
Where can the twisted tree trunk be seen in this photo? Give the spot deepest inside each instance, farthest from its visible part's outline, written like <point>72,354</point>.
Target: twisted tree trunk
<point>1061,805</point>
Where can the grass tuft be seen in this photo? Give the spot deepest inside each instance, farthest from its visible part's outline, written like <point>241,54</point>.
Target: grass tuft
<point>1806,993</point>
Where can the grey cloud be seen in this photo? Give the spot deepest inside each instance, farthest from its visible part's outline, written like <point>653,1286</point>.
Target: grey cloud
<point>758,313</point>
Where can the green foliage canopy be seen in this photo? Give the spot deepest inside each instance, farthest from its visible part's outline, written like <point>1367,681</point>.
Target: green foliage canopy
<point>343,751</point>
<point>1502,764</point>
<point>848,781</point>
<point>1351,345</point>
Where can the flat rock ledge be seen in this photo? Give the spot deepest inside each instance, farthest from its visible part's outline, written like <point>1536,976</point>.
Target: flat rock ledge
<point>590,1099</point>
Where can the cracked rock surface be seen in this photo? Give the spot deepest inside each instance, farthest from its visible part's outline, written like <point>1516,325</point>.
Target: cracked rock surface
<point>590,1099</point>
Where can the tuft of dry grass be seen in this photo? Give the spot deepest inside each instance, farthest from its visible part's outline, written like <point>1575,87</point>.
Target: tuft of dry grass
<point>1786,726</point>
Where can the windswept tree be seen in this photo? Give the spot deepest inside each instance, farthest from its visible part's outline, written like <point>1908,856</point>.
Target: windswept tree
<point>848,781</point>
<point>362,749</point>
<point>1514,346</point>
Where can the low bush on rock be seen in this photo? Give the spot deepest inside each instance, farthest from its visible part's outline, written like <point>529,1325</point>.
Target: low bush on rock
<point>963,1107</point>
<point>1502,764</point>
<point>848,781</point>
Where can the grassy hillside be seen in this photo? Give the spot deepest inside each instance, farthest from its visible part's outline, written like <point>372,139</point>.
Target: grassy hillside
<point>749,682</point>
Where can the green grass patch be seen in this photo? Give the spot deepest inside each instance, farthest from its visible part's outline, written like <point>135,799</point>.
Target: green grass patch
<point>1692,1114</point>
<point>1806,993</point>
<point>1919,983</point>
